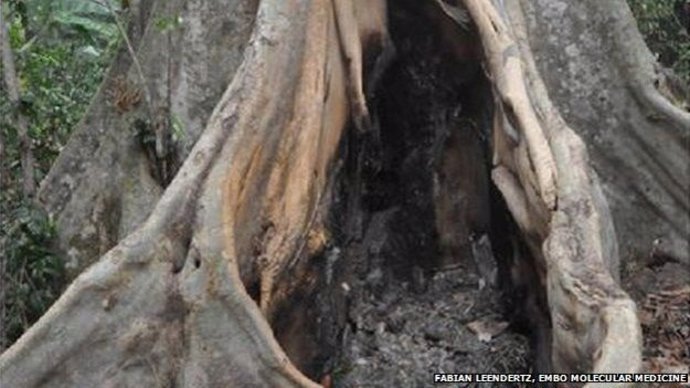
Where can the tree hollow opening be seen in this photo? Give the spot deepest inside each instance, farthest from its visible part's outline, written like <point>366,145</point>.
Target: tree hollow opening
<point>412,208</point>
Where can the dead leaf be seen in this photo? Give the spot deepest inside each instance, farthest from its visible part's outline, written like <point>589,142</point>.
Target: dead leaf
<point>486,329</point>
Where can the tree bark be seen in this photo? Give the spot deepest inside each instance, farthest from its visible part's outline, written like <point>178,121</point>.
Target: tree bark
<point>98,201</point>
<point>609,89</point>
<point>3,297</point>
<point>546,180</point>
<point>193,272</point>
<point>12,84</point>
<point>3,173</point>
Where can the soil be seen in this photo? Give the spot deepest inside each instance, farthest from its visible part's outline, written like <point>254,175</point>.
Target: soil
<point>403,335</point>
<point>661,289</point>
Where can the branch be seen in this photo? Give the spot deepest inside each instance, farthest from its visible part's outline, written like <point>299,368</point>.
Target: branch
<point>132,54</point>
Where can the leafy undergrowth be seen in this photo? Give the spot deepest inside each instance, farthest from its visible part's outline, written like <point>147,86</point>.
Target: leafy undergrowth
<point>61,50</point>
<point>662,25</point>
<point>34,273</point>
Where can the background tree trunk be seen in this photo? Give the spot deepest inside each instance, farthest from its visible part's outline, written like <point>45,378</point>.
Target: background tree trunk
<point>191,273</point>
<point>12,84</point>
<point>98,201</point>
<point>605,85</point>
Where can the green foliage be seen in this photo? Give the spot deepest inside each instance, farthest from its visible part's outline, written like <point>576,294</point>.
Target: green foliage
<point>664,33</point>
<point>60,82</point>
<point>57,77</point>
<point>164,24</point>
<point>34,274</point>
<point>61,50</point>
<point>89,21</point>
<point>178,129</point>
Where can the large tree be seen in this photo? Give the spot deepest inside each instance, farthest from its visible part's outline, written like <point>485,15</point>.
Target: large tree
<point>204,179</point>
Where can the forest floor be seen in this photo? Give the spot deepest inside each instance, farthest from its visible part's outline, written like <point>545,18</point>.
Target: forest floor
<point>406,323</point>
<point>662,293</point>
<point>411,330</point>
<point>401,332</point>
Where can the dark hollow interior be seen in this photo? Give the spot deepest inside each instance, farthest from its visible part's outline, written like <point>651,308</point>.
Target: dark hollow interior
<point>426,167</point>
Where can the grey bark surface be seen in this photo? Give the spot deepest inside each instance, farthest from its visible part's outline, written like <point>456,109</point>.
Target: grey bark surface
<point>101,187</point>
<point>552,192</point>
<point>601,76</point>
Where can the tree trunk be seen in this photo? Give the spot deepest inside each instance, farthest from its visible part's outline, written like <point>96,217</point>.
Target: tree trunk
<point>189,275</point>
<point>3,174</point>
<point>12,84</point>
<point>611,91</point>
